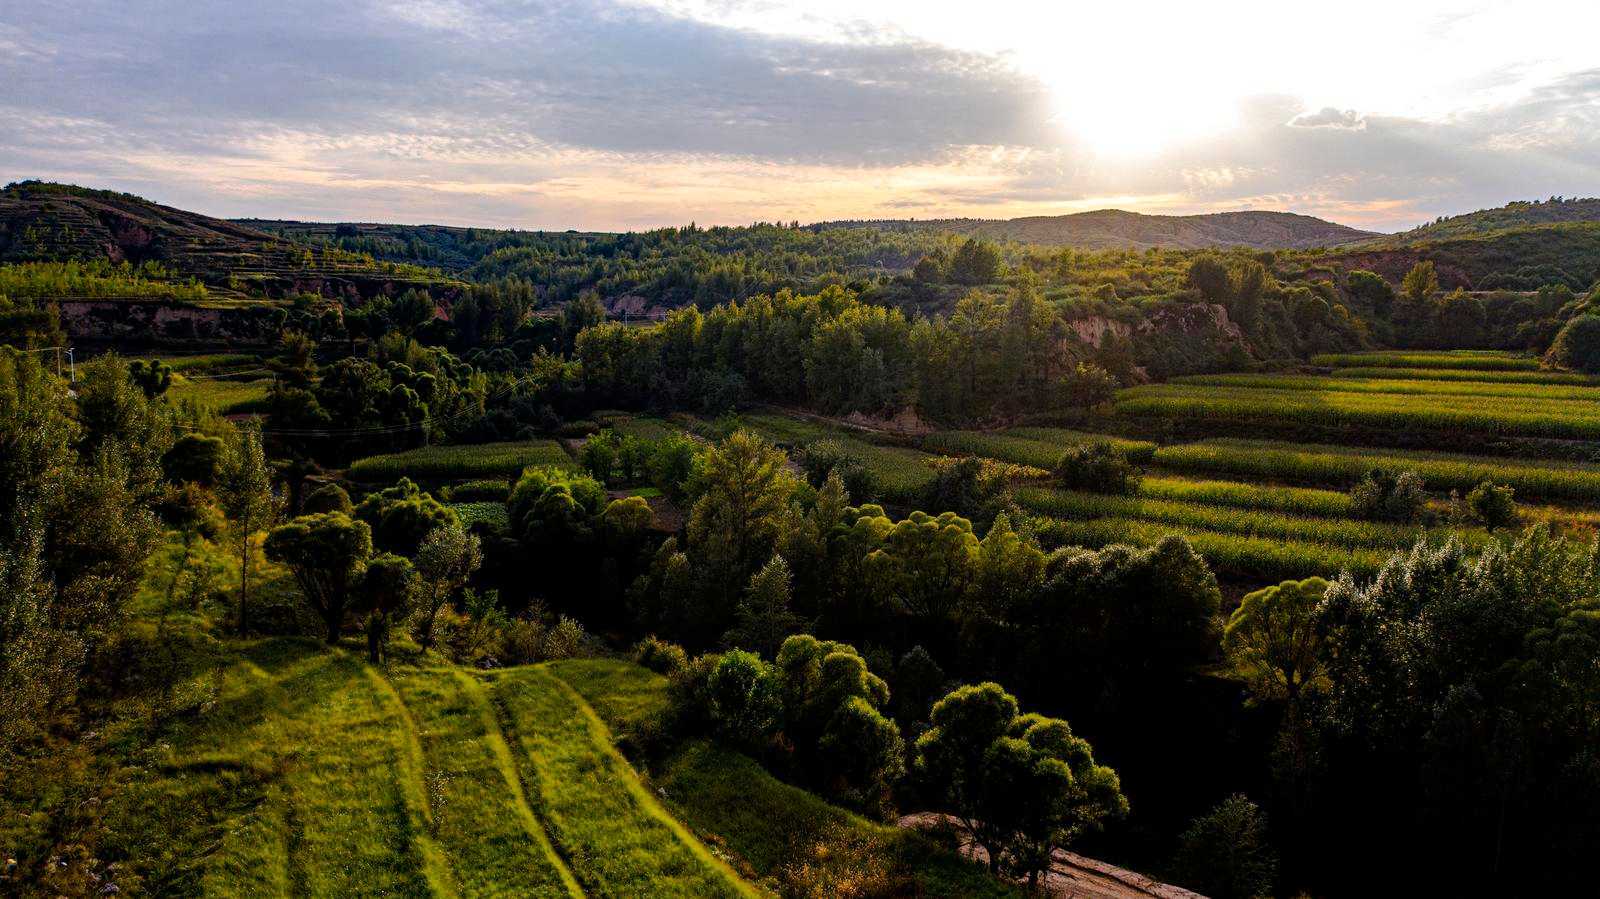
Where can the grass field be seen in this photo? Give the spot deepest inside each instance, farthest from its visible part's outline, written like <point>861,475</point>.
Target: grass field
<point>1038,447</point>
<point>1342,466</point>
<point>1481,360</point>
<point>460,462</point>
<point>784,838</point>
<point>614,833</point>
<point>221,396</point>
<point>1496,415</point>
<point>1388,384</point>
<point>1450,374</point>
<point>901,473</point>
<point>1237,556</point>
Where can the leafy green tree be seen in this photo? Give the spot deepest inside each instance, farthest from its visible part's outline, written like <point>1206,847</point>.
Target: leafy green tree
<point>1020,785</point>
<point>244,489</point>
<point>744,491</point>
<point>926,564</point>
<point>743,699</point>
<point>1086,386</point>
<point>328,498</point>
<point>445,560</point>
<point>1577,345</point>
<point>1272,639</point>
<point>1420,283</point>
<point>975,262</point>
<point>327,553</point>
<point>402,515</point>
<point>387,587</point>
<point>1099,467</point>
<point>1382,495</point>
<point>764,619</point>
<point>194,457</point>
<point>1494,506</point>
<point>1225,852</point>
<point>152,377</point>
<point>1209,276</point>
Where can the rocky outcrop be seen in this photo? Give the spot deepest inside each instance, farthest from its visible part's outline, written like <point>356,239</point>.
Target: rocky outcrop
<point>160,323</point>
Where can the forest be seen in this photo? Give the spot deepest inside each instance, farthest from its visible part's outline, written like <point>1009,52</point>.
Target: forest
<point>868,562</point>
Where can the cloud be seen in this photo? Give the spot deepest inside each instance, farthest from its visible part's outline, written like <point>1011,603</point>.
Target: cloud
<point>560,114</point>
<point>1328,117</point>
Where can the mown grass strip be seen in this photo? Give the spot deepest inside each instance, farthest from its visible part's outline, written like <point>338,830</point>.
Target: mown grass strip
<point>1511,416</point>
<point>1446,374</point>
<point>493,840</point>
<point>1399,386</point>
<point>457,462</point>
<point>1221,519</point>
<point>1038,447</point>
<point>1234,555</point>
<point>1341,466</point>
<point>614,835</point>
<point>1481,360</point>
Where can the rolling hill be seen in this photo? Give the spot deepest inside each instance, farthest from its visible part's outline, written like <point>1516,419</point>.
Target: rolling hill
<point>1116,229</point>
<point>1517,214</point>
<point>42,221</point>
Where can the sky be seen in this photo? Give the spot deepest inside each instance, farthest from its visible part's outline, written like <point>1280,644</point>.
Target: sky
<point>631,114</point>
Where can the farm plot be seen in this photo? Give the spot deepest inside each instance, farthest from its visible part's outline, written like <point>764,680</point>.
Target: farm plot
<point>1038,447</point>
<point>901,473</point>
<point>1458,374</point>
<point>460,462</point>
<point>1391,384</point>
<point>1481,360</point>
<point>1499,415</point>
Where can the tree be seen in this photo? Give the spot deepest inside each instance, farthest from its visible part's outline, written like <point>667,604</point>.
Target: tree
<point>1225,853</point>
<point>387,586</point>
<point>152,377</point>
<point>1099,467</point>
<point>1272,639</point>
<point>1382,495</point>
<point>327,553</point>
<point>743,698</point>
<point>1209,276</point>
<point>402,515</point>
<point>328,498</point>
<point>194,457</point>
<point>446,558</point>
<point>1020,785</point>
<point>764,619</point>
<point>1086,386</point>
<point>745,487</point>
<point>976,262</point>
<point>244,489</point>
<point>1577,345</point>
<point>1494,506</point>
<point>1420,283</point>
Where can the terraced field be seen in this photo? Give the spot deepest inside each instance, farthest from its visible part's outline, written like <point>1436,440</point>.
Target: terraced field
<point>901,473</point>
<point>1269,509</point>
<point>460,462</point>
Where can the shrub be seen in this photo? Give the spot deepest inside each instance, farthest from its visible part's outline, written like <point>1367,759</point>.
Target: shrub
<point>1384,496</point>
<point>327,498</point>
<point>1225,853</point>
<point>660,656</point>
<point>1577,345</point>
<point>1495,507</point>
<point>821,458</point>
<point>1099,467</point>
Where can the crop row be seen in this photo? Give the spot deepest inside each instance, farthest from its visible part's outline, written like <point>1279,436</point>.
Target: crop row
<point>1481,360</point>
<point>1038,447</point>
<point>1456,374</point>
<point>1517,416</point>
<point>460,461</point>
<point>1257,558</point>
<point>1247,522</point>
<point>1397,386</point>
<point>1293,500</point>
<point>1339,466</point>
<point>221,397</point>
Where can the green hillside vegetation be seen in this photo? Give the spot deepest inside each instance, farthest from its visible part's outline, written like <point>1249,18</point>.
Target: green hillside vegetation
<point>1512,215</point>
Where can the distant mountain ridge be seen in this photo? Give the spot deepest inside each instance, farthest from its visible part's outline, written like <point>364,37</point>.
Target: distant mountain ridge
<point>1107,229</point>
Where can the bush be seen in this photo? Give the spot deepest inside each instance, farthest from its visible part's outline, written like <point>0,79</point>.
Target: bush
<point>327,498</point>
<point>1384,496</point>
<point>1225,853</point>
<point>660,656</point>
<point>1493,507</point>
<point>823,457</point>
<point>1099,467</point>
<point>1577,345</point>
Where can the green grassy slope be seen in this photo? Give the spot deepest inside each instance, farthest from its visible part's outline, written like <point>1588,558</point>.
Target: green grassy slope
<point>789,839</point>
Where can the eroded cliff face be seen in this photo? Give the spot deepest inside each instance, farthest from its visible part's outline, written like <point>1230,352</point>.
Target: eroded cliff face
<point>1173,339</point>
<point>169,323</point>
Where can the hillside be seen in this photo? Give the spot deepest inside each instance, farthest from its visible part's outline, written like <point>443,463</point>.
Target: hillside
<point>1523,258</point>
<point>1116,229</point>
<point>1516,214</point>
<point>57,222</point>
